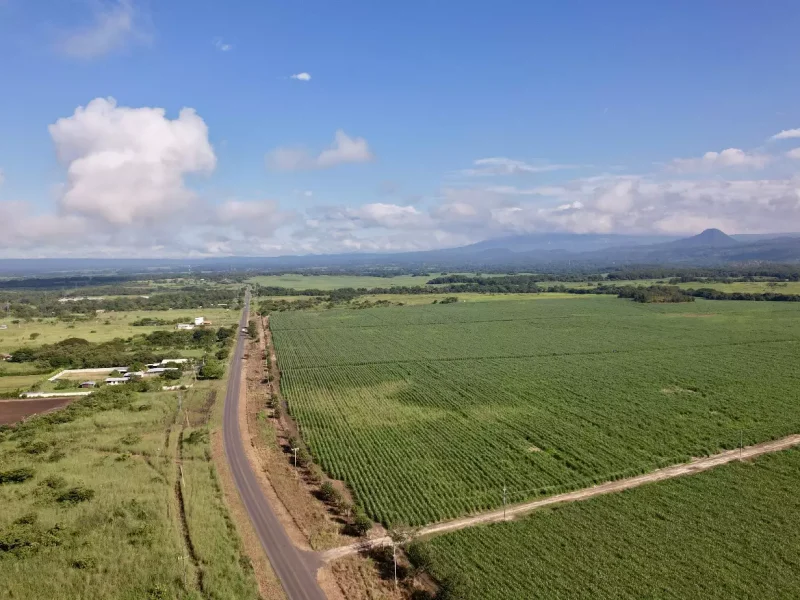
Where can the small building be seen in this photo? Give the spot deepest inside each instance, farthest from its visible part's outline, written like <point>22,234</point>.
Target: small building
<point>116,380</point>
<point>177,361</point>
<point>88,384</point>
<point>3,326</point>
<point>185,326</point>
<point>199,320</point>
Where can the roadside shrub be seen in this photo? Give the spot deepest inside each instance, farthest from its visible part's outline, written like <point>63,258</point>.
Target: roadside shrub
<point>76,494</point>
<point>35,447</point>
<point>196,437</point>
<point>27,519</point>
<point>314,474</point>
<point>329,493</point>
<point>303,457</point>
<point>361,524</point>
<point>16,475</point>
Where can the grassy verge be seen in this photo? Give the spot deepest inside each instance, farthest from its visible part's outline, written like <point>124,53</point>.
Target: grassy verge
<point>100,513</point>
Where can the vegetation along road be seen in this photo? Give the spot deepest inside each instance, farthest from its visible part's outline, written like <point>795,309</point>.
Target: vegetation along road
<point>296,570</point>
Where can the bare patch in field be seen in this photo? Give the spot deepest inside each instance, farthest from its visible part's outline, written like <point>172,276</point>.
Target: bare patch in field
<point>534,449</point>
<point>674,389</point>
<point>12,411</point>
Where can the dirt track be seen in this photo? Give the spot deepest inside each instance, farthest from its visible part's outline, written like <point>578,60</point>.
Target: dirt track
<point>517,510</point>
<point>12,411</point>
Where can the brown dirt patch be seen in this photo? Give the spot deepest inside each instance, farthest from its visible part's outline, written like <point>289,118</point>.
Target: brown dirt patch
<point>12,411</point>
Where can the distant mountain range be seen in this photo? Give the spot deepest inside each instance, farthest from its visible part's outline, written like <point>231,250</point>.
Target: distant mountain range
<point>538,250</point>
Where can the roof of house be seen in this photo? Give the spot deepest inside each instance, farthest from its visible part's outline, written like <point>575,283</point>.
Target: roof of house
<point>117,379</point>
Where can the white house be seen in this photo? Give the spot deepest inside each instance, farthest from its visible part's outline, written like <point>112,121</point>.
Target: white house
<point>199,320</point>
<point>116,380</point>
<point>185,326</point>
<point>178,361</point>
<point>4,326</point>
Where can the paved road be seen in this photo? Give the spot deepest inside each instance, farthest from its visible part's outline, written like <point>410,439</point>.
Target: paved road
<point>295,569</point>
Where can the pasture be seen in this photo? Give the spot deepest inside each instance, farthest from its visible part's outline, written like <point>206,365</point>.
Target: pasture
<point>332,282</point>
<point>727,533</point>
<point>104,327</point>
<point>94,497</point>
<point>427,412</point>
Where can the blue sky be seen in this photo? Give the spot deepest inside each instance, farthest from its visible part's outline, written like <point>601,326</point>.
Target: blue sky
<point>457,122</point>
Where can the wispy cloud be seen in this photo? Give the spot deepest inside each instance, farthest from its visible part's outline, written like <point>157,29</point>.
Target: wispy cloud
<point>114,26</point>
<point>301,76</point>
<point>786,134</point>
<point>220,45</point>
<point>344,149</point>
<point>500,165</point>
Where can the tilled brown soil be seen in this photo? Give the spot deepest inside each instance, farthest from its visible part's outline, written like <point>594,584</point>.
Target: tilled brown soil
<point>15,410</point>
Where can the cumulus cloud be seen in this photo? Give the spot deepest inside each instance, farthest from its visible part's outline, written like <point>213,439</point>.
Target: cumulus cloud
<point>115,25</point>
<point>500,165</point>
<point>795,154</point>
<point>786,134</point>
<point>344,150</point>
<point>129,164</point>
<point>731,157</point>
<point>301,76</point>
<point>220,45</point>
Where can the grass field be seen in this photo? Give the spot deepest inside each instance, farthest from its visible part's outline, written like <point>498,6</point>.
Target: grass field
<point>106,326</point>
<point>332,282</point>
<point>426,412</point>
<point>14,382</point>
<point>121,535</point>
<point>757,287</point>
<point>727,533</point>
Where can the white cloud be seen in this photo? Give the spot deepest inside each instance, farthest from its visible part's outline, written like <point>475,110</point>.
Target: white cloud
<point>128,164</point>
<point>115,25</point>
<point>301,76</point>
<point>2,177</point>
<point>344,150</point>
<point>786,134</point>
<point>500,165</point>
<point>220,45</point>
<point>794,153</point>
<point>731,157</point>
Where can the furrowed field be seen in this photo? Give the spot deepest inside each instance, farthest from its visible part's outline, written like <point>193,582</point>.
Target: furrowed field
<point>731,532</point>
<point>426,412</point>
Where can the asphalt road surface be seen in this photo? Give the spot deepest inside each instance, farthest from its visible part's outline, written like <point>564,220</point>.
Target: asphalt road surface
<point>295,569</point>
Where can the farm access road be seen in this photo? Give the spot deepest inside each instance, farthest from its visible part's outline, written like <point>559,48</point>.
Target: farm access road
<point>695,466</point>
<point>296,569</point>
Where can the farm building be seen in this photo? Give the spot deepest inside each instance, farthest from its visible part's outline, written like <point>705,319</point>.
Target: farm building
<point>3,326</point>
<point>199,320</point>
<point>177,361</point>
<point>5,356</point>
<point>88,384</point>
<point>116,380</point>
<point>185,326</point>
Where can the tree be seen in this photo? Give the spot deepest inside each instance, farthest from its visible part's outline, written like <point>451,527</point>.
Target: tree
<point>33,336</point>
<point>172,375</point>
<point>213,369</point>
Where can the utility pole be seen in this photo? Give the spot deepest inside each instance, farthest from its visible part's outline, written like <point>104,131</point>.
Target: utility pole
<point>394,558</point>
<point>741,443</point>
<point>295,456</point>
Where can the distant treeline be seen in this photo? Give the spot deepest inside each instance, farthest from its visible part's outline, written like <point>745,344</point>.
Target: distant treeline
<point>77,353</point>
<point>33,304</point>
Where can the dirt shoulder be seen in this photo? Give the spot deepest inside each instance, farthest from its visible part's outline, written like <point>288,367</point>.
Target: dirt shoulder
<point>695,466</point>
<point>268,585</point>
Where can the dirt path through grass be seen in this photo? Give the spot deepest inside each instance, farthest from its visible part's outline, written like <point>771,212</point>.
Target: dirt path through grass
<point>695,466</point>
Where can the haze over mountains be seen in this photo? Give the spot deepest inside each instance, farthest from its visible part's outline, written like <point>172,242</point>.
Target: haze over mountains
<point>538,250</point>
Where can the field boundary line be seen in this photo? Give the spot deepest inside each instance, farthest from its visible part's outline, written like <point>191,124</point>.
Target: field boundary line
<point>511,512</point>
